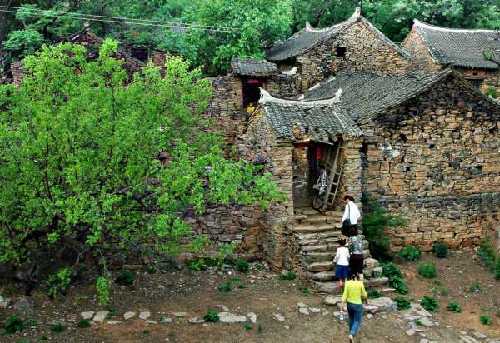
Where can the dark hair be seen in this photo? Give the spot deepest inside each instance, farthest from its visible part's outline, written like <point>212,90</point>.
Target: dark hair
<point>353,276</point>
<point>342,242</point>
<point>348,197</point>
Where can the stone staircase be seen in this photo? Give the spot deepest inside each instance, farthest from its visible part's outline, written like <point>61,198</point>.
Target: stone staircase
<point>318,235</point>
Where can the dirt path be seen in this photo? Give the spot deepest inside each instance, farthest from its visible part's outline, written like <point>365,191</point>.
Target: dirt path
<point>266,295</point>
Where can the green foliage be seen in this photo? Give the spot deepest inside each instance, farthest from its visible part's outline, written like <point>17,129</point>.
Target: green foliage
<point>197,264</point>
<point>402,303</point>
<point>12,325</point>
<point>475,287</point>
<point>427,270</point>
<point>440,249</point>
<point>375,221</point>
<point>59,282</point>
<point>497,268</point>
<point>23,43</point>
<point>242,265</point>
<point>410,253</point>
<point>84,323</point>
<point>212,316</point>
<point>225,287</point>
<point>247,327</point>
<point>429,303</point>
<point>305,290</point>
<point>103,289</point>
<point>396,280</point>
<point>57,328</point>
<point>486,320</point>
<point>488,254</point>
<point>288,276</point>
<point>125,278</point>
<point>78,146</point>
<point>373,293</point>
<point>454,306</point>
<point>492,92</point>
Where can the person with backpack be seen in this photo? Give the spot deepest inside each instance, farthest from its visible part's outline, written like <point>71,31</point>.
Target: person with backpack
<point>342,263</point>
<point>353,297</point>
<point>356,255</point>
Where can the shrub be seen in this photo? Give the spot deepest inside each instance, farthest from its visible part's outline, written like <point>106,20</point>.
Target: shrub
<point>242,265</point>
<point>497,268</point>
<point>402,303</point>
<point>103,290</point>
<point>393,273</point>
<point>429,303</point>
<point>24,42</point>
<point>125,278</point>
<point>453,306</point>
<point>399,285</point>
<point>59,282</point>
<point>248,327</point>
<point>440,249</point>
<point>374,293</point>
<point>84,323</point>
<point>197,264</point>
<point>225,287</point>
<point>410,253</point>
<point>427,270</point>
<point>288,276</point>
<point>485,320</point>
<point>376,220</point>
<point>305,290</point>
<point>13,324</point>
<point>211,316</point>
<point>57,328</point>
<point>487,254</point>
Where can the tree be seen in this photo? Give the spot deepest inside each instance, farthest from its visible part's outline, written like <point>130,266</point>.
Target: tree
<point>78,159</point>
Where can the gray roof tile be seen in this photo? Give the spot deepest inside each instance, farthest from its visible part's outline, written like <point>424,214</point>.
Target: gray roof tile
<point>252,67</point>
<point>459,47</point>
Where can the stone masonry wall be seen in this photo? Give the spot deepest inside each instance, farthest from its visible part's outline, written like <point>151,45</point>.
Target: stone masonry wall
<point>352,171</point>
<point>436,161</point>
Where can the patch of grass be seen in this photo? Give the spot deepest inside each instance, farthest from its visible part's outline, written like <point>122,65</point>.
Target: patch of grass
<point>418,322</point>
<point>225,287</point>
<point>487,254</point>
<point>439,289</point>
<point>402,303</point>
<point>410,253</point>
<point>125,278</point>
<point>241,265</point>
<point>486,320</point>
<point>374,293</point>
<point>57,328</point>
<point>429,303</point>
<point>453,306</point>
<point>497,268</point>
<point>427,270</point>
<point>248,327</point>
<point>212,316</point>
<point>84,323</point>
<point>440,249</point>
<point>197,264</point>
<point>305,290</point>
<point>288,276</point>
<point>13,324</point>
<point>475,287</point>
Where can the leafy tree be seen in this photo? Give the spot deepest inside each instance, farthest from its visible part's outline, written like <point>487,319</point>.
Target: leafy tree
<point>78,158</point>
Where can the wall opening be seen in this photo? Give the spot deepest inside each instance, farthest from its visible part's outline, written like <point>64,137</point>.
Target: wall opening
<point>340,51</point>
<point>251,91</point>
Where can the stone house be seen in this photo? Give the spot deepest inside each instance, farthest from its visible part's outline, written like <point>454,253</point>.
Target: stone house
<point>474,53</point>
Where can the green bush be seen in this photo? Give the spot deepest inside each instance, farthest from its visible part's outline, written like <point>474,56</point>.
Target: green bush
<point>402,303</point>
<point>211,316</point>
<point>440,249</point>
<point>373,293</point>
<point>23,43</point>
<point>288,276</point>
<point>429,303</point>
<point>427,270</point>
<point>242,265</point>
<point>84,323</point>
<point>125,278</point>
<point>453,306</point>
<point>410,253</point>
<point>393,273</point>
<point>487,254</point>
<point>59,282</point>
<point>497,268</point>
<point>197,265</point>
<point>399,285</point>
<point>103,289</point>
<point>376,220</point>
<point>225,287</point>
<point>247,327</point>
<point>13,324</point>
<point>57,328</point>
<point>486,320</point>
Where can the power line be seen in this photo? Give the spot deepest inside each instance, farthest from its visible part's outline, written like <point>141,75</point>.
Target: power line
<point>122,20</point>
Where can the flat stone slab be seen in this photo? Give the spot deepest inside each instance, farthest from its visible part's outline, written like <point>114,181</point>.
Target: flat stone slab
<point>129,314</point>
<point>279,317</point>
<point>100,316</point>
<point>228,317</point>
<point>87,315</point>
<point>252,317</point>
<point>332,300</point>
<point>180,314</point>
<point>144,315</point>
<point>304,311</point>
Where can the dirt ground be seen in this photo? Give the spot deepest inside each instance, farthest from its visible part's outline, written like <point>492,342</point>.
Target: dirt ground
<point>265,294</point>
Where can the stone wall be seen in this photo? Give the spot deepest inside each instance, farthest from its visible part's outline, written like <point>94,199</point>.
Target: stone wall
<point>488,78</point>
<point>301,176</point>
<point>352,171</point>
<point>436,161</point>
<point>422,58</point>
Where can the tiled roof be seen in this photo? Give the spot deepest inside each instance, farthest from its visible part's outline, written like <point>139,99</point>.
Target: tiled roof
<point>252,67</point>
<point>317,120</point>
<point>458,47</point>
<point>367,94</point>
<point>309,37</point>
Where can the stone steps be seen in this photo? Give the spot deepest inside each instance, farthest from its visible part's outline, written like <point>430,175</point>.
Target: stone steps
<point>301,228</point>
<point>333,287</point>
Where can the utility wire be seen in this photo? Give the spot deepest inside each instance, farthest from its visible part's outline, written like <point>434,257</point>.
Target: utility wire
<point>121,20</point>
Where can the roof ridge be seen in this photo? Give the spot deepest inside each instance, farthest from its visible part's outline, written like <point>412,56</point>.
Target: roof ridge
<point>265,98</point>
<point>419,23</point>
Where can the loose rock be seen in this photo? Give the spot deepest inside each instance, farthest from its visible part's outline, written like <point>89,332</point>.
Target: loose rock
<point>304,311</point>
<point>24,305</point>
<point>100,316</point>
<point>128,315</point>
<point>196,320</point>
<point>227,317</point>
<point>4,302</point>
<point>87,315</point>
<point>279,317</point>
<point>252,317</point>
<point>331,300</point>
<point>180,314</point>
<point>144,315</point>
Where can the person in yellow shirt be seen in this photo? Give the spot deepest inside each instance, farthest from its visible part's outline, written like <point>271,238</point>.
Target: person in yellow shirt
<point>354,295</point>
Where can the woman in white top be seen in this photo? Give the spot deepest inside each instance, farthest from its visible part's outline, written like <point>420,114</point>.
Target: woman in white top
<point>351,217</point>
<point>342,263</point>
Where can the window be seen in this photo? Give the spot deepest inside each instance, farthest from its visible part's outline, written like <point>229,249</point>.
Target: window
<point>341,51</point>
